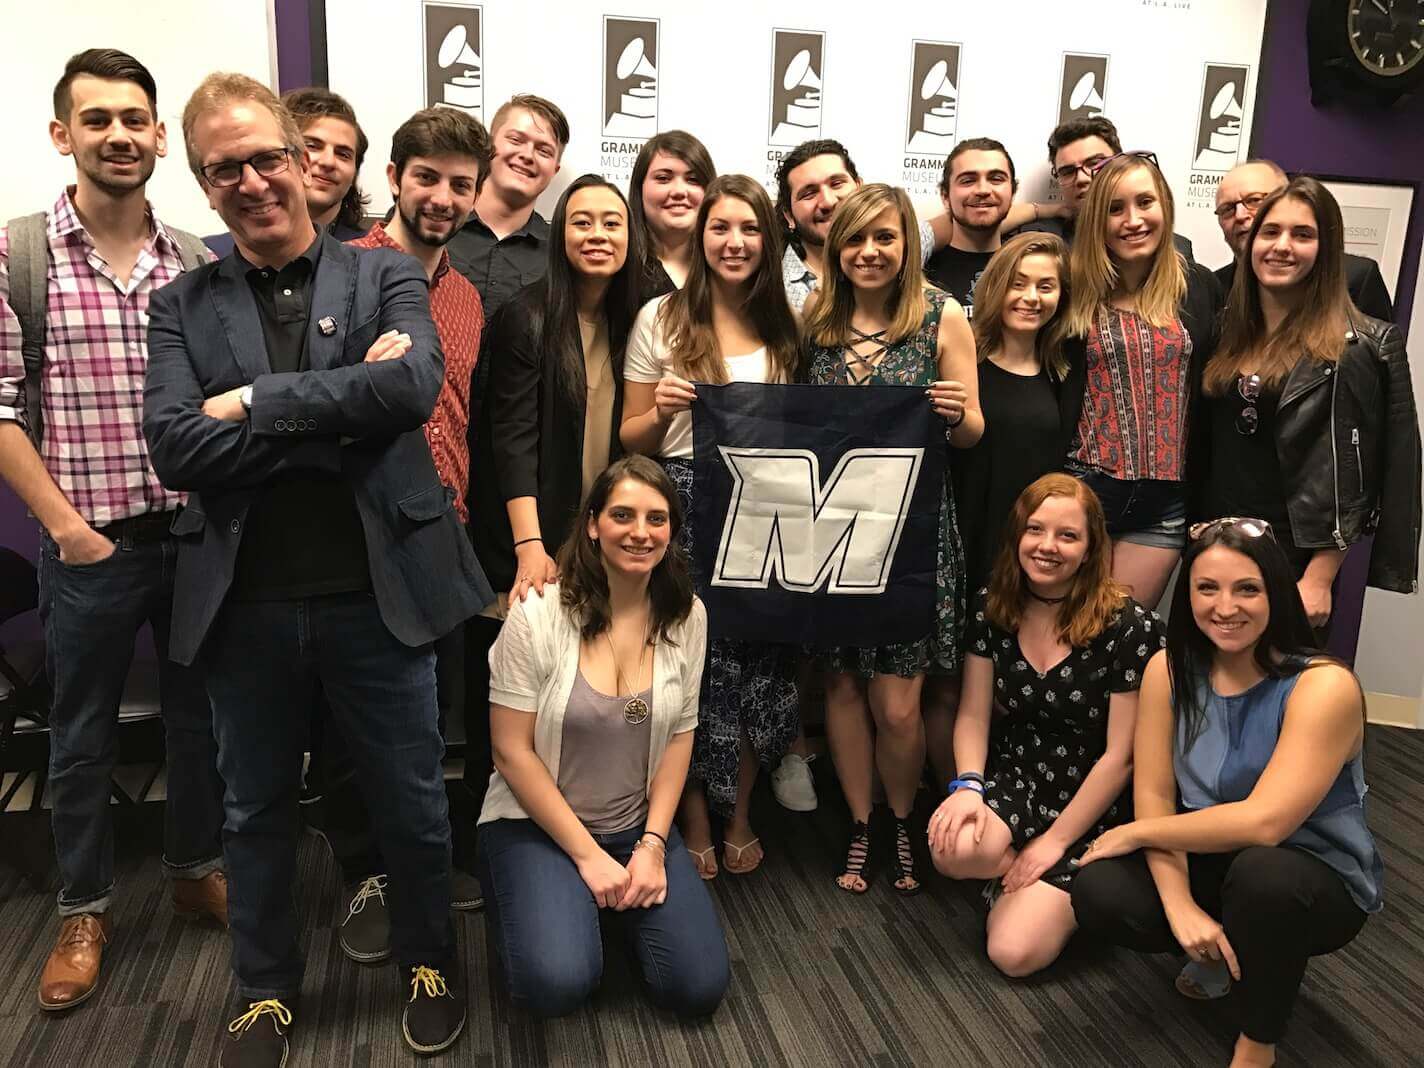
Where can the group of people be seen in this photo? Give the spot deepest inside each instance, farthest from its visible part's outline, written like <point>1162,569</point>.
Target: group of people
<point>364,481</point>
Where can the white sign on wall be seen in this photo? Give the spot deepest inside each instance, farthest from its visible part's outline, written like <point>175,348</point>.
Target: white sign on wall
<point>898,84</point>
<point>1376,224</point>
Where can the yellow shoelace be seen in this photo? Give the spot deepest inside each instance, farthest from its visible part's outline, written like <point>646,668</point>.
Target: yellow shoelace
<point>257,1009</point>
<point>434,982</point>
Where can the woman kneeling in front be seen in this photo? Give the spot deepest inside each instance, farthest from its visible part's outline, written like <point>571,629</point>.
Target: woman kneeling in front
<point>593,700</point>
<point>1270,861</point>
<point>1050,772</point>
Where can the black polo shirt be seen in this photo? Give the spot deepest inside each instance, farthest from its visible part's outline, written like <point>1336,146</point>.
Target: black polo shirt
<point>303,535</point>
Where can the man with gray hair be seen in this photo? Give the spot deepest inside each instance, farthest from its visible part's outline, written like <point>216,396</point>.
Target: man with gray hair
<point>287,389</point>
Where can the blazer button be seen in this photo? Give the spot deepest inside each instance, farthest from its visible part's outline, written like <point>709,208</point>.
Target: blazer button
<point>234,526</point>
<point>280,424</point>
<point>311,424</point>
<point>301,424</point>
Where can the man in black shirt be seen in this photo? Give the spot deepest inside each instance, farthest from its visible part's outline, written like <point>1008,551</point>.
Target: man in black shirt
<point>1237,198</point>
<point>977,189</point>
<point>287,389</point>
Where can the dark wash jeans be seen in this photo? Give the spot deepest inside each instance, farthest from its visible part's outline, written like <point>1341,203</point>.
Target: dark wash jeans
<point>91,615</point>
<point>264,662</point>
<point>542,918</point>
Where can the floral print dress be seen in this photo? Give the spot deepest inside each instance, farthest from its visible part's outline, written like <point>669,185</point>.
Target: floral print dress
<point>1052,726</point>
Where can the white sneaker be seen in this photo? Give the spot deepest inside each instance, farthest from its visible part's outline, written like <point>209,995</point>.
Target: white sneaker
<point>792,785</point>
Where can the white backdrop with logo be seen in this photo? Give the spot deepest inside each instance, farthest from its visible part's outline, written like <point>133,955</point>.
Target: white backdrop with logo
<point>899,84</point>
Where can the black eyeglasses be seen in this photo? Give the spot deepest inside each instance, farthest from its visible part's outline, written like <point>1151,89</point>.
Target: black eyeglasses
<point>1248,387</point>
<point>1250,202</point>
<point>228,172</point>
<point>1252,528</point>
<point>1068,173</point>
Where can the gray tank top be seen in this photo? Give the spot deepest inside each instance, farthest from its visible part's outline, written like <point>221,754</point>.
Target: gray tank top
<point>603,764</point>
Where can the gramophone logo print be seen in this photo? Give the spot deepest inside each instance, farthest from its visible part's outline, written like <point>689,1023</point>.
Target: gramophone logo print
<point>934,98</point>
<point>630,77</point>
<point>454,71</point>
<point>1083,87</point>
<point>797,67</point>
<point>1218,144</point>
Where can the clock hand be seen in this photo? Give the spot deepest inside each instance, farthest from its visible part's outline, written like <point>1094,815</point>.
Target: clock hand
<point>1380,4</point>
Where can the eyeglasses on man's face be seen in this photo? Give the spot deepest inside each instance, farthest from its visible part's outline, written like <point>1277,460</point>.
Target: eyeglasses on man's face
<point>228,172</point>
<point>1251,201</point>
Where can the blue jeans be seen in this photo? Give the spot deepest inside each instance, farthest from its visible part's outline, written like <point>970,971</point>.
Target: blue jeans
<point>91,615</point>
<point>264,663</point>
<point>1144,511</point>
<point>543,919</point>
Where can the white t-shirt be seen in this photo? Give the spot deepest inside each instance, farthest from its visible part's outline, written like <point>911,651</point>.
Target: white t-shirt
<point>648,360</point>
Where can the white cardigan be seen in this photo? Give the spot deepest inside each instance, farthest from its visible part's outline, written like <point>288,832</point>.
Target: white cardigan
<point>533,666</point>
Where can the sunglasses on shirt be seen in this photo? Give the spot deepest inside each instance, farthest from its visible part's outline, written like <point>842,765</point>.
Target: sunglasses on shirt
<point>1252,528</point>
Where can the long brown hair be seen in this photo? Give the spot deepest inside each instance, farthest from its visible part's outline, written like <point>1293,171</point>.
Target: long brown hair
<point>1315,330</point>
<point>992,290</point>
<point>1095,275</point>
<point>1095,596</point>
<point>686,315</point>
<point>680,145</point>
<point>828,325</point>
<point>583,583</point>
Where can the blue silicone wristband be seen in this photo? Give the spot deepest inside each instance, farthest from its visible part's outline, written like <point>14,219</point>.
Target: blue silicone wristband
<point>966,784</point>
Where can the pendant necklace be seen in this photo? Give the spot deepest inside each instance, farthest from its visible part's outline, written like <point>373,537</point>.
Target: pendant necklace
<point>636,710</point>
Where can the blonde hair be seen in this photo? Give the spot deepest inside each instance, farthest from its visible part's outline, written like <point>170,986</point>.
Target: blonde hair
<point>992,289</point>
<point>222,88</point>
<point>828,325</point>
<point>1095,275</point>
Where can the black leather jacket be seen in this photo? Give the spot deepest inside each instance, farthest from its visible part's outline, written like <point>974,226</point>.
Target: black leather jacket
<point>1347,437</point>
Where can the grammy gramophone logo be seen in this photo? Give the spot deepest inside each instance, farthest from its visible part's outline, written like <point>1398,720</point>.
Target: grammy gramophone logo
<point>1218,143</point>
<point>454,71</point>
<point>933,98</point>
<point>1083,89</point>
<point>797,67</point>
<point>630,77</point>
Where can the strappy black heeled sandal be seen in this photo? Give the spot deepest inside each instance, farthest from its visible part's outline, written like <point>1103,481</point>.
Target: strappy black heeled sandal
<point>905,860</point>
<point>857,858</point>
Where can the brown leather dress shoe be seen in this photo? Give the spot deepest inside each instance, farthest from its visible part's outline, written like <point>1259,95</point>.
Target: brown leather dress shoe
<point>202,897</point>
<point>72,972</point>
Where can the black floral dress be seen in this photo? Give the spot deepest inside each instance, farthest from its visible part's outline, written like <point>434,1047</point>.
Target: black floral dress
<point>912,361</point>
<point>1053,726</point>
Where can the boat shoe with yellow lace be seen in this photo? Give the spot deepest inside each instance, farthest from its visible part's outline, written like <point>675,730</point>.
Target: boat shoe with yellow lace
<point>435,1013</point>
<point>258,1037</point>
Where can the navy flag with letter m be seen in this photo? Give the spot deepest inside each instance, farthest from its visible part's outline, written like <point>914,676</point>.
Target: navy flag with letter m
<point>815,512</point>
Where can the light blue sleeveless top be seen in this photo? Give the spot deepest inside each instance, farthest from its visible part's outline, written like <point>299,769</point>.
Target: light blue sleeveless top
<point>1226,760</point>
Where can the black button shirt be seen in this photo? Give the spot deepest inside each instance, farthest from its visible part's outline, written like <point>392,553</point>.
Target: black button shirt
<point>500,268</point>
<point>304,535</point>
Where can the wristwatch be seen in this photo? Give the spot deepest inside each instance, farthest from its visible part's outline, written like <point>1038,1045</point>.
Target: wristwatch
<point>244,397</point>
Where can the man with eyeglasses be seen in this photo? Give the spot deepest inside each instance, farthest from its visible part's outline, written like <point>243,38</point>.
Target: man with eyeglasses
<point>1240,194</point>
<point>287,390</point>
<point>1076,149</point>
<point>75,287</point>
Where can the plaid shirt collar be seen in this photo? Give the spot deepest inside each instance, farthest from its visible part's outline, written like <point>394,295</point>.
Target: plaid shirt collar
<point>378,234</point>
<point>64,220</point>
<point>794,270</point>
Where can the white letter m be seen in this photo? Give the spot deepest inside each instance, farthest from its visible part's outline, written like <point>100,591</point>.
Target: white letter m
<point>782,522</point>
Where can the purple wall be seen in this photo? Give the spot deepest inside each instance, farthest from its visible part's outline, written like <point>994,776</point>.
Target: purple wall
<point>1339,141</point>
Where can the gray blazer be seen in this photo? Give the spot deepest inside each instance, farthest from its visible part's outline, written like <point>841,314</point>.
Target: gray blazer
<point>361,420</point>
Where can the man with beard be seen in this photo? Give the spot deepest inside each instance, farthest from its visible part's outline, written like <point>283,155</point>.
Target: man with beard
<point>977,189</point>
<point>75,287</point>
<point>438,158</point>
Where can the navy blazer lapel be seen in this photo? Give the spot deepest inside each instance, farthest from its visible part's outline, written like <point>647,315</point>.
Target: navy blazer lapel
<point>332,298</point>
<point>236,309</point>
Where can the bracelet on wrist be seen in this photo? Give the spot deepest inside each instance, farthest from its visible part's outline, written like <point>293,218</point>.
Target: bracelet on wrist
<point>526,541</point>
<point>969,776</point>
<point>655,834</point>
<point>966,784</point>
<point>955,423</point>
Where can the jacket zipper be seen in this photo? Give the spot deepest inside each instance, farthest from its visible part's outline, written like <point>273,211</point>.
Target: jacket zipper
<point>1359,460</point>
<point>1335,462</point>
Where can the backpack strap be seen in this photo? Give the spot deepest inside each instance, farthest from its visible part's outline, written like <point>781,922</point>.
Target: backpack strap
<point>191,250</point>
<point>29,290</point>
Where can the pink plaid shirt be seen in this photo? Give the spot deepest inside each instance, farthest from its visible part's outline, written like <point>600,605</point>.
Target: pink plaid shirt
<point>96,356</point>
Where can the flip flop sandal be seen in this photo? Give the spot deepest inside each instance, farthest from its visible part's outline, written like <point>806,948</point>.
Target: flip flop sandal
<point>733,864</point>
<point>700,862</point>
<point>1204,980</point>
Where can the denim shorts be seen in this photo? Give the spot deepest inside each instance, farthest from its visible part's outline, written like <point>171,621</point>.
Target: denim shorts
<point>1144,511</point>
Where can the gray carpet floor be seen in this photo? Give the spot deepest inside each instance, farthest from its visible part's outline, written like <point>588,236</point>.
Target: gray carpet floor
<point>819,977</point>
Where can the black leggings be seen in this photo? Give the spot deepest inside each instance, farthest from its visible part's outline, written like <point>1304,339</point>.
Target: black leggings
<point>1279,907</point>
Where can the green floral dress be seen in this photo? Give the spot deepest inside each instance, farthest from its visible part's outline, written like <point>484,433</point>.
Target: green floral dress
<point>913,361</point>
